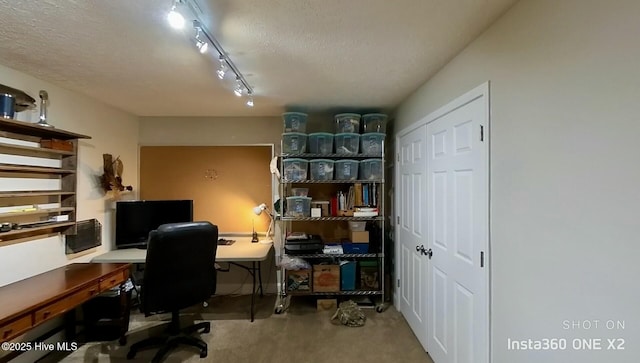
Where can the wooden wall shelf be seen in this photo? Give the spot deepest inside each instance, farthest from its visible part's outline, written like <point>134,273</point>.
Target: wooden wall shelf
<point>27,128</point>
<point>34,194</point>
<point>38,211</point>
<point>35,169</point>
<point>26,135</point>
<point>34,149</point>
<point>41,228</point>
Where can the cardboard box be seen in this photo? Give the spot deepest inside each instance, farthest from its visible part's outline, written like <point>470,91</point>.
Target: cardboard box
<point>369,279</point>
<point>299,280</point>
<point>359,236</point>
<point>323,205</point>
<point>327,304</point>
<point>326,278</point>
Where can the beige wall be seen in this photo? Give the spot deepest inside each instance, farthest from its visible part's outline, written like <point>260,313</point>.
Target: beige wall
<point>112,131</point>
<point>565,195</point>
<point>201,131</point>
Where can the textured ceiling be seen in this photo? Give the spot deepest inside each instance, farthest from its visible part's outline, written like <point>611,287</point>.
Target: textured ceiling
<point>311,55</point>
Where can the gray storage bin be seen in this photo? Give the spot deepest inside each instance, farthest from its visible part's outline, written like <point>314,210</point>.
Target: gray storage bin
<point>321,169</point>
<point>320,143</point>
<point>347,123</point>
<point>371,143</point>
<point>295,169</point>
<point>371,169</point>
<point>347,143</point>
<point>298,207</point>
<point>294,143</point>
<point>295,122</point>
<point>346,169</point>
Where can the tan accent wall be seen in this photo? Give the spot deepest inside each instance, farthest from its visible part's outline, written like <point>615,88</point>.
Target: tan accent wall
<point>225,182</point>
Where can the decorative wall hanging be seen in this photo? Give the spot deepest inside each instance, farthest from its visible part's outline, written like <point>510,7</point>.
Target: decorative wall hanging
<point>210,174</point>
<point>111,180</point>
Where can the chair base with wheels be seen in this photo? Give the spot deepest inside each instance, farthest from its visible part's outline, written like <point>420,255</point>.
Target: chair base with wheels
<point>172,338</point>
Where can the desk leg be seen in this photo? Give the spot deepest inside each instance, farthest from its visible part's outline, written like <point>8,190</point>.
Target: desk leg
<point>260,278</point>
<point>253,289</point>
<point>125,305</point>
<point>253,270</point>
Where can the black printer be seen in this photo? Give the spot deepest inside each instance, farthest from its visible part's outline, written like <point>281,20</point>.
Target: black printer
<point>303,244</point>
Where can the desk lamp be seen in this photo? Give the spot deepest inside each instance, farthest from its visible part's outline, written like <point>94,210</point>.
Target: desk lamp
<point>258,210</point>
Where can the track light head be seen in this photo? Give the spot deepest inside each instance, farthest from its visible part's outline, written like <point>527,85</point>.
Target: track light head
<point>202,46</point>
<point>239,88</point>
<point>250,101</point>
<point>222,69</point>
<point>175,19</point>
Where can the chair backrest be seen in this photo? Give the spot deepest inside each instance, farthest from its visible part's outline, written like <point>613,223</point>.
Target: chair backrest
<point>180,266</point>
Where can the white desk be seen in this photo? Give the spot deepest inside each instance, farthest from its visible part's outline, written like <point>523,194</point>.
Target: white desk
<point>242,250</point>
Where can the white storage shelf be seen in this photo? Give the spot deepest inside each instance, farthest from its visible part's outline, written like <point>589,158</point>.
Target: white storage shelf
<point>289,224</point>
<point>332,181</point>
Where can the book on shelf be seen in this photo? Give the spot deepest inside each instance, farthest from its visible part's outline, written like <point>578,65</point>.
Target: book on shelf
<point>364,195</point>
<point>365,212</point>
<point>357,194</point>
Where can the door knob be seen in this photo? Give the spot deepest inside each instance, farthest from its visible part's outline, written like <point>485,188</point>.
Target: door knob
<point>429,253</point>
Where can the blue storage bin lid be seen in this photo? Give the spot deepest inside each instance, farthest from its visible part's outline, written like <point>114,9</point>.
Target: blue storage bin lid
<point>341,116</point>
<point>327,134</point>
<point>290,160</point>
<point>294,134</point>
<point>294,198</point>
<point>294,115</point>
<point>374,117</point>
<point>373,135</point>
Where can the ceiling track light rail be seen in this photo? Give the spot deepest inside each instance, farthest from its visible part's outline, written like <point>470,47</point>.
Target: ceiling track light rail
<point>224,57</point>
<point>225,63</point>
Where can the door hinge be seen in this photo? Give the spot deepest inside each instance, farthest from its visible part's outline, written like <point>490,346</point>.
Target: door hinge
<point>398,220</point>
<point>398,283</point>
<point>481,133</point>
<point>398,157</point>
<point>481,258</point>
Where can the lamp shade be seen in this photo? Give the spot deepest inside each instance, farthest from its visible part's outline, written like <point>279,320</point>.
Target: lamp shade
<point>258,209</point>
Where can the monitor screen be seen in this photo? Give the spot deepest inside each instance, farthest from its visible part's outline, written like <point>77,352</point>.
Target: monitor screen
<point>136,218</point>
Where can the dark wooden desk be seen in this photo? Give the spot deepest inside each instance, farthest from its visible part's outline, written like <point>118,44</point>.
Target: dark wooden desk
<point>30,302</point>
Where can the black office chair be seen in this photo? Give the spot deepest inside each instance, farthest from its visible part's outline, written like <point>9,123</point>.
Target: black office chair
<point>179,273</point>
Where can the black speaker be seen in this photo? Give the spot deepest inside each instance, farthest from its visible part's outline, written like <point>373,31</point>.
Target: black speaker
<point>89,235</point>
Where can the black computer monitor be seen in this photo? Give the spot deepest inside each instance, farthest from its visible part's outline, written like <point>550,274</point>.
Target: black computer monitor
<point>136,218</point>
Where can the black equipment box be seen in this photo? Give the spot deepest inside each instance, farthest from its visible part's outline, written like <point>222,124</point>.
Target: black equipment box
<point>303,246</point>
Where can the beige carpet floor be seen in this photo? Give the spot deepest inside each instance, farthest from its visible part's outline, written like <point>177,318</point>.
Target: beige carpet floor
<point>300,334</point>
